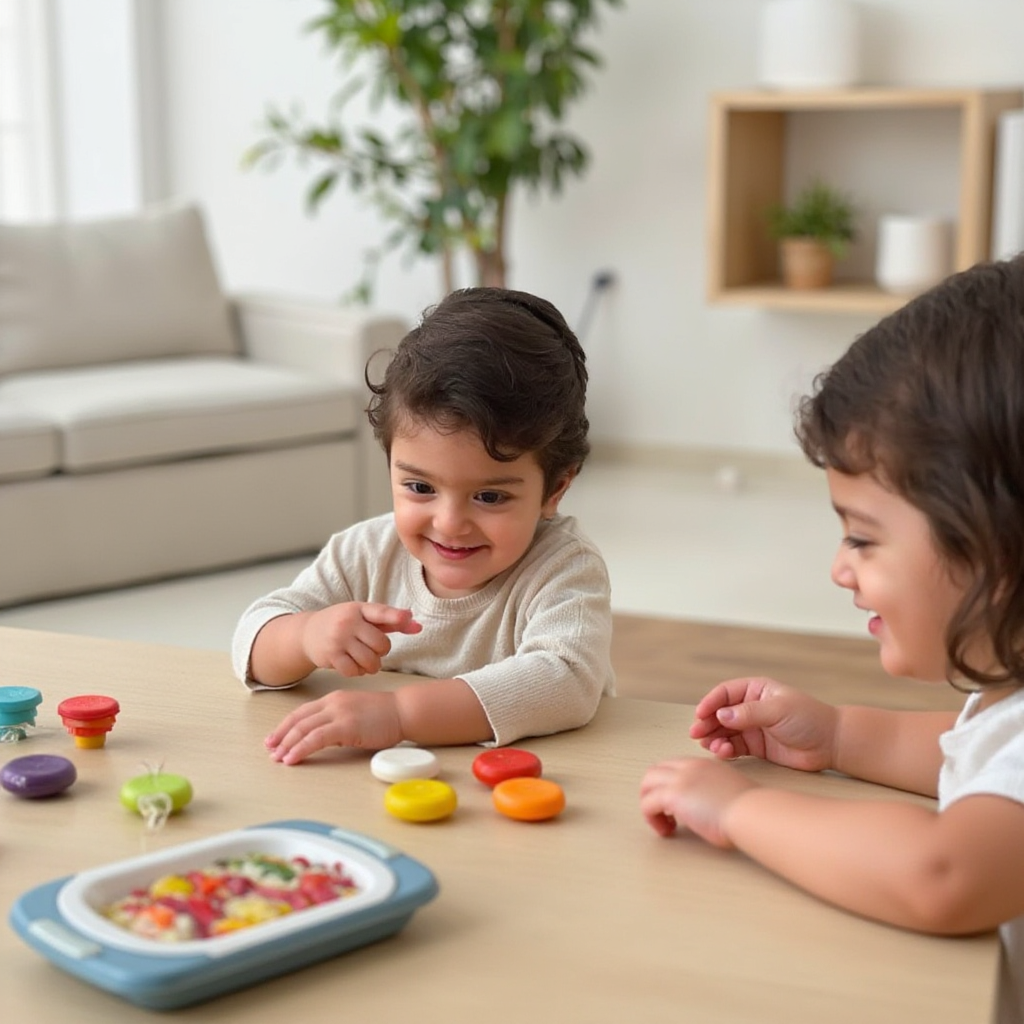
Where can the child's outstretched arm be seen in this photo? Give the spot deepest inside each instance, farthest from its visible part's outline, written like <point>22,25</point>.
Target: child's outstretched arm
<point>438,712</point>
<point>350,638</point>
<point>951,873</point>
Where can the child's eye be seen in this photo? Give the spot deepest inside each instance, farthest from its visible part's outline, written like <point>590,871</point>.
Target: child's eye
<point>418,487</point>
<point>856,543</point>
<point>491,498</point>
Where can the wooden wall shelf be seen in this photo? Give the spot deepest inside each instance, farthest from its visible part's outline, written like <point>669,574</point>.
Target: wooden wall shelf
<point>747,174</point>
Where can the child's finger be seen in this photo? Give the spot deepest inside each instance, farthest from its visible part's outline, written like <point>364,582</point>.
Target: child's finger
<point>391,620</point>
<point>298,720</point>
<point>306,736</point>
<point>732,691</point>
<point>661,821</point>
<point>755,714</point>
<point>361,658</point>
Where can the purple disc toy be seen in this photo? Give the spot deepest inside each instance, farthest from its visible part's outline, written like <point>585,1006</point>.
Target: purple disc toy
<point>37,775</point>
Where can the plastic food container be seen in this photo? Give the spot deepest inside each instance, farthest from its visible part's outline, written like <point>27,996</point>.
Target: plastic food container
<point>62,919</point>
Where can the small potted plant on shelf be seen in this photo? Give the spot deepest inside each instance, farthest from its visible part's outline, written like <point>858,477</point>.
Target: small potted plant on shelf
<point>813,232</point>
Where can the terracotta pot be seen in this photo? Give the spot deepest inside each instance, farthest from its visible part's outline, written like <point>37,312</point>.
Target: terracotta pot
<point>805,263</point>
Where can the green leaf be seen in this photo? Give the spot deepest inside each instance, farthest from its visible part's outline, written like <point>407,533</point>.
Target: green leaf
<point>479,87</point>
<point>321,187</point>
<point>508,135</point>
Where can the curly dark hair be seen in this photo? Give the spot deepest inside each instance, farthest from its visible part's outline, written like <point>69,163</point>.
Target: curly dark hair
<point>931,402</point>
<point>502,363</point>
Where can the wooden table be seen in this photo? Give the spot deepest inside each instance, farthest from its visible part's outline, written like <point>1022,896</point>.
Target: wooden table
<point>589,918</point>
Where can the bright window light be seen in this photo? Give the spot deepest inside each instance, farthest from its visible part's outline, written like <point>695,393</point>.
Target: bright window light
<point>27,188</point>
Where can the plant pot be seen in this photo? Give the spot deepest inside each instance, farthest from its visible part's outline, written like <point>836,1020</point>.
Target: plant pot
<point>806,263</point>
<point>914,253</point>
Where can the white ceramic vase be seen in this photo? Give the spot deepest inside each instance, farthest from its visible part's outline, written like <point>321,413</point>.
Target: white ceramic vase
<point>809,44</point>
<point>914,253</point>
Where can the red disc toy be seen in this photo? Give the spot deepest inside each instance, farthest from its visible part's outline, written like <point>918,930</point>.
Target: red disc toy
<point>494,766</point>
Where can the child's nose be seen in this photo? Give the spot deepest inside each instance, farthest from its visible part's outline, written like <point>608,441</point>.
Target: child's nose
<point>842,571</point>
<point>450,517</point>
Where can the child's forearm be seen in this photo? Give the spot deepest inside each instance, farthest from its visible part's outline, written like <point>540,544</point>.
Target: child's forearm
<point>443,712</point>
<point>883,860</point>
<point>899,749</point>
<point>278,657</point>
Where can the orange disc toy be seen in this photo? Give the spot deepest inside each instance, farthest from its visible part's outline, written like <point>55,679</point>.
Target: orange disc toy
<point>529,799</point>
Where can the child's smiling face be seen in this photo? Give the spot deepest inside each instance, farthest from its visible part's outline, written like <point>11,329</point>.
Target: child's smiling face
<point>889,560</point>
<point>464,516</point>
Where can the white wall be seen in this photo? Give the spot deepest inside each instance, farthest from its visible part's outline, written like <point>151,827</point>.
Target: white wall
<point>97,112</point>
<point>667,369</point>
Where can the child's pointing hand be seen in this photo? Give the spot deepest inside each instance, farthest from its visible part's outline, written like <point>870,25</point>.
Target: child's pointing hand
<point>351,638</point>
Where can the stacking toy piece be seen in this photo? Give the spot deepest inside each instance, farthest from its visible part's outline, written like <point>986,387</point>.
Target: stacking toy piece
<point>88,718</point>
<point>494,766</point>
<point>18,710</point>
<point>420,800</point>
<point>398,764</point>
<point>176,788</point>
<point>37,775</point>
<point>529,799</point>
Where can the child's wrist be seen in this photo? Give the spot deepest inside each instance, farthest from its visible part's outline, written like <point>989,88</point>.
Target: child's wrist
<point>736,812</point>
<point>840,720</point>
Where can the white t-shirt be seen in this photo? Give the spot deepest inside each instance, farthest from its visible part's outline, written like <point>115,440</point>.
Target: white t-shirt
<point>984,754</point>
<point>534,644</point>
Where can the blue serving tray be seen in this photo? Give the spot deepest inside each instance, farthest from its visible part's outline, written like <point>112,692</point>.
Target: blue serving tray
<point>61,919</point>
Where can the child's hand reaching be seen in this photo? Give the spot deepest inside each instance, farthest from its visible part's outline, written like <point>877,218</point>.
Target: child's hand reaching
<point>344,718</point>
<point>351,638</point>
<point>741,717</point>
<point>762,718</point>
<point>693,793</point>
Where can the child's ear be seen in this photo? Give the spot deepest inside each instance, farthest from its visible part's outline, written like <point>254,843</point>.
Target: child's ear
<point>550,506</point>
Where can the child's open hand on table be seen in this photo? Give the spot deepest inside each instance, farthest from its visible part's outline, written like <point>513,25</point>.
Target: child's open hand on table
<point>344,718</point>
<point>693,793</point>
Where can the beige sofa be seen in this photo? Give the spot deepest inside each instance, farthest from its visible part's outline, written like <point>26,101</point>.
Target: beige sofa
<point>151,425</point>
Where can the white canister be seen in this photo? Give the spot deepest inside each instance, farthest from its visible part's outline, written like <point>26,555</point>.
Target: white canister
<point>914,252</point>
<point>809,44</point>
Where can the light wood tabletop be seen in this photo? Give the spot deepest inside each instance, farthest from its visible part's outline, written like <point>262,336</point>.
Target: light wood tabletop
<point>588,918</point>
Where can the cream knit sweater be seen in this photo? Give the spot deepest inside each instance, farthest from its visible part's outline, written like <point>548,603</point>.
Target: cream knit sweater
<point>534,644</point>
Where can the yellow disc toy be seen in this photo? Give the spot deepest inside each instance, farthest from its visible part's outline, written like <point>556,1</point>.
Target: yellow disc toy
<point>420,800</point>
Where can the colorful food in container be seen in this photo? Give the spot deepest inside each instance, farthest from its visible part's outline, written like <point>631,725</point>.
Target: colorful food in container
<point>230,894</point>
<point>66,919</point>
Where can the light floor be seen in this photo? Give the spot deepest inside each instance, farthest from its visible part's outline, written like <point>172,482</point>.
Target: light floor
<point>679,544</point>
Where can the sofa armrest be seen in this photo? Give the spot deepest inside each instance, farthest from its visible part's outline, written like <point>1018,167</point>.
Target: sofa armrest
<point>325,339</point>
<point>316,336</point>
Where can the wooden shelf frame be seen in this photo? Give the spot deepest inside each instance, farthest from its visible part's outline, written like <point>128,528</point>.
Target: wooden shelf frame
<point>746,175</point>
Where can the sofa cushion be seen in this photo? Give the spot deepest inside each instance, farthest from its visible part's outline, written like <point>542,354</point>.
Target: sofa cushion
<point>103,291</point>
<point>164,409</point>
<point>29,444</point>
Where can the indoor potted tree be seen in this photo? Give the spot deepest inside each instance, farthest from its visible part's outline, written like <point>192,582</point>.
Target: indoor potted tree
<point>481,86</point>
<point>813,232</point>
